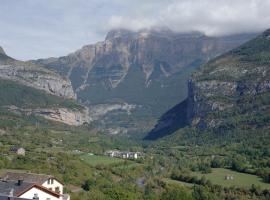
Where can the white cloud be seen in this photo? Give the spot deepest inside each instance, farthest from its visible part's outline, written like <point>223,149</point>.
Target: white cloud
<point>35,28</point>
<point>213,17</point>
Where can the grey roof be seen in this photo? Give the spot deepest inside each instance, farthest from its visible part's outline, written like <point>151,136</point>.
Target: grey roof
<point>9,187</point>
<point>27,177</point>
<point>3,197</point>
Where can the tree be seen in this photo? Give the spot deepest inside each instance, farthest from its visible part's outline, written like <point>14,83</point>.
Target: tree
<point>87,184</point>
<point>176,193</point>
<point>203,193</point>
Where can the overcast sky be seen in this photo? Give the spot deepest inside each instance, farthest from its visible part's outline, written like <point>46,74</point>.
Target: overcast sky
<point>33,29</point>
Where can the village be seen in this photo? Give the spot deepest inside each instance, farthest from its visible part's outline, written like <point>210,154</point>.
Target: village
<point>123,154</point>
<point>17,185</point>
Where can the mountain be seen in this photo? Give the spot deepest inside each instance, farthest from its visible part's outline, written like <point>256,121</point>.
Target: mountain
<point>2,52</point>
<point>35,76</point>
<point>28,89</point>
<point>139,67</point>
<point>230,92</point>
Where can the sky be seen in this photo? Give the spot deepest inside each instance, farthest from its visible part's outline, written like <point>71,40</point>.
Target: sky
<point>32,29</point>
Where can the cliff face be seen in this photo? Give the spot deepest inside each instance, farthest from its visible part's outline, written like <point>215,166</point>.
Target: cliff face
<point>139,67</point>
<point>2,51</point>
<point>230,92</point>
<point>148,69</point>
<point>28,89</point>
<point>63,115</point>
<point>34,76</point>
<point>234,88</point>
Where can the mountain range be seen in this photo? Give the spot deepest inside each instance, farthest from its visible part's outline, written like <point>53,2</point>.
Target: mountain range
<point>146,70</point>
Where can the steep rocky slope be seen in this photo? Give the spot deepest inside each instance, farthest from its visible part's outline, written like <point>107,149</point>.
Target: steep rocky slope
<point>231,92</point>
<point>233,88</point>
<point>142,68</point>
<point>32,75</point>
<point>27,89</point>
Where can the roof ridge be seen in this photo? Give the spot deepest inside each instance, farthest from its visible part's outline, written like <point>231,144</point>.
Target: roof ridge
<point>41,188</point>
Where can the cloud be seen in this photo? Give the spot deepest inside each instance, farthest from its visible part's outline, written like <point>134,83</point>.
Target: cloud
<point>213,17</point>
<point>33,29</point>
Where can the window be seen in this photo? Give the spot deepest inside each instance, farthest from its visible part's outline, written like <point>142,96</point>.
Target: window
<point>36,196</point>
<point>48,181</point>
<point>52,181</point>
<point>57,190</point>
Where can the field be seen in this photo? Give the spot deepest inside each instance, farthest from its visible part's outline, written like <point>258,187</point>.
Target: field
<point>95,160</point>
<point>239,179</point>
<point>170,181</point>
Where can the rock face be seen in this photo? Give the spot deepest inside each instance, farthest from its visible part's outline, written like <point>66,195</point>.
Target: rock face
<point>231,92</point>
<point>139,67</point>
<point>63,115</point>
<point>232,85</point>
<point>100,110</point>
<point>29,78</point>
<point>34,76</point>
<point>2,51</point>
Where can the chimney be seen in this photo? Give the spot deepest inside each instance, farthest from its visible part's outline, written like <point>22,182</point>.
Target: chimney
<point>20,182</point>
<point>5,178</point>
<point>11,193</point>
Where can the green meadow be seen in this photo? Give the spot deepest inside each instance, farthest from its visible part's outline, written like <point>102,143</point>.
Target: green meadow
<point>217,176</point>
<point>95,160</point>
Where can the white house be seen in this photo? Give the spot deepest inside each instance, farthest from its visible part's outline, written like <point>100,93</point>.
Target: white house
<point>18,150</point>
<point>123,154</point>
<point>39,192</point>
<point>23,190</point>
<point>40,181</point>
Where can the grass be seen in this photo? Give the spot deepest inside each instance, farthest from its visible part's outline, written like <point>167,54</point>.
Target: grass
<point>95,160</point>
<point>170,181</point>
<point>217,176</point>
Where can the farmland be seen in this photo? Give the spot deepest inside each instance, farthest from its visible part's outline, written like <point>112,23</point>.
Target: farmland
<point>95,160</point>
<point>217,176</point>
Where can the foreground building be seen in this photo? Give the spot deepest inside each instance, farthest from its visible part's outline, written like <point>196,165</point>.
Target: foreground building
<point>5,197</point>
<point>32,186</point>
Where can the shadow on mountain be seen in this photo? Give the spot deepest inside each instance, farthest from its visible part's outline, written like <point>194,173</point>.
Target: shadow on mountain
<point>169,122</point>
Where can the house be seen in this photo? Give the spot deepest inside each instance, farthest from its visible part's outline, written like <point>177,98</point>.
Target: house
<point>112,153</point>
<point>123,154</point>
<point>18,150</point>
<point>6,197</point>
<point>39,180</point>
<point>23,190</point>
<point>229,177</point>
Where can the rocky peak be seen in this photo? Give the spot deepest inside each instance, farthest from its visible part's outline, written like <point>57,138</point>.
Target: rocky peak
<point>266,33</point>
<point>117,33</point>
<point>2,51</point>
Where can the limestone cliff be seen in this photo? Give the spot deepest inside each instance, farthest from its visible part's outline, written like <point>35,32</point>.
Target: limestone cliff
<point>233,86</point>
<point>2,51</point>
<point>230,92</point>
<point>63,115</point>
<point>29,89</point>
<point>148,67</point>
<point>34,76</point>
